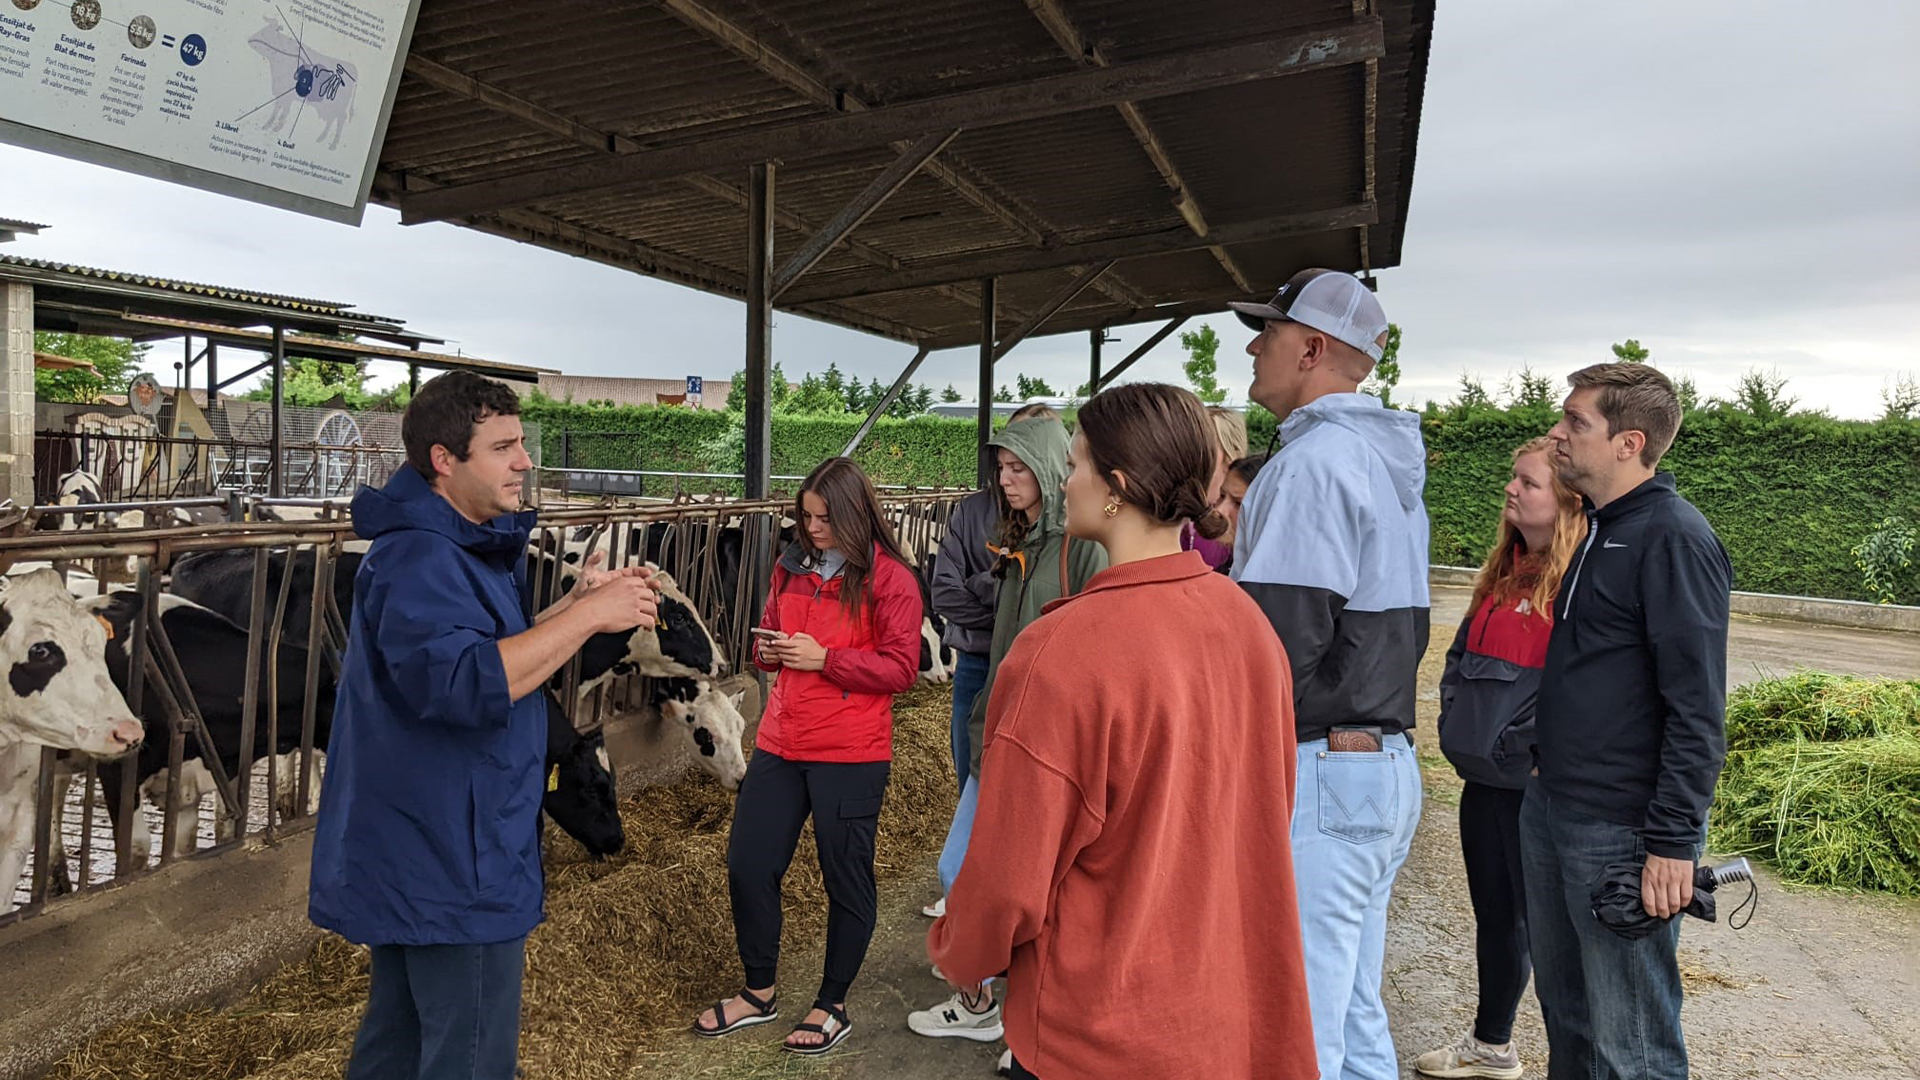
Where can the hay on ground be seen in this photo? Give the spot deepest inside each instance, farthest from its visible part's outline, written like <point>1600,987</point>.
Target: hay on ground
<point>631,949</point>
<point>1813,706</point>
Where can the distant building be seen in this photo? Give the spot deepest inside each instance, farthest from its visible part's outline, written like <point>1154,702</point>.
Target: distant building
<point>581,389</point>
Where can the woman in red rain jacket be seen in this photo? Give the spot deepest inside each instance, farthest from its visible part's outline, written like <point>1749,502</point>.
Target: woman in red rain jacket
<point>842,632</point>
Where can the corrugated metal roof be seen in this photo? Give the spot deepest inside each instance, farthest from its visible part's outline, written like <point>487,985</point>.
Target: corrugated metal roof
<point>192,288</point>
<point>11,225</point>
<point>588,81</point>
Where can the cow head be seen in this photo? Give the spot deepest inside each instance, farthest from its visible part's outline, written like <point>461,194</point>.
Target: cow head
<point>710,719</point>
<point>581,795</point>
<point>57,691</point>
<point>582,799</point>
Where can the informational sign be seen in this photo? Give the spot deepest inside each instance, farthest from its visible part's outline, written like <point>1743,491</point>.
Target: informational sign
<point>694,384</point>
<point>283,102</point>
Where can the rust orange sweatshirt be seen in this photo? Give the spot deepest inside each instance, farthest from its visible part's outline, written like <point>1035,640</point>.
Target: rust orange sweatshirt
<point>1130,866</point>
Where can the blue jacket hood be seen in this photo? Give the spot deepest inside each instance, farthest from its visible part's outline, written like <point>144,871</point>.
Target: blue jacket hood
<point>409,502</point>
<point>1391,435</point>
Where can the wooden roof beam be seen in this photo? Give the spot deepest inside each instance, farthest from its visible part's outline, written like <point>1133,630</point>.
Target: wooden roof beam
<point>948,170</point>
<point>1121,246</point>
<point>1057,95</point>
<point>1089,54</point>
<point>859,208</point>
<point>1051,308</point>
<point>458,83</point>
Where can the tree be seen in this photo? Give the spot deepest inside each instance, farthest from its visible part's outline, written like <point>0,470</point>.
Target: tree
<point>1473,397</point>
<point>1532,391</point>
<point>1001,393</point>
<point>114,362</point>
<point>949,395</point>
<point>814,397</point>
<point>922,400</point>
<point>835,383</point>
<point>1902,397</point>
<point>316,383</point>
<point>1762,395</point>
<point>1030,388</point>
<point>777,390</point>
<point>1630,351</point>
<point>1386,373</point>
<point>1200,366</point>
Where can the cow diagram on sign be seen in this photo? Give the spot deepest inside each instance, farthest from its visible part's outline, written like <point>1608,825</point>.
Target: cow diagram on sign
<point>297,74</point>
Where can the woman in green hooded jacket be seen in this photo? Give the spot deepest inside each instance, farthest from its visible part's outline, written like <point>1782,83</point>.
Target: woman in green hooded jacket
<point>1032,552</point>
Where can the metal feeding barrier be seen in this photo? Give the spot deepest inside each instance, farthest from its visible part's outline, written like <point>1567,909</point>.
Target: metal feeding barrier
<point>720,553</point>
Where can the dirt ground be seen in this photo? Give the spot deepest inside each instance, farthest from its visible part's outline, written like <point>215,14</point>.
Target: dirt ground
<point>1820,985</point>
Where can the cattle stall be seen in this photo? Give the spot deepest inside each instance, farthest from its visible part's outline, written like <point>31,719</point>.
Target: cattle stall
<point>273,645</point>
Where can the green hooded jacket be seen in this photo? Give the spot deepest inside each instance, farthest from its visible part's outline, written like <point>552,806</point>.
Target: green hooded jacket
<point>1041,444</point>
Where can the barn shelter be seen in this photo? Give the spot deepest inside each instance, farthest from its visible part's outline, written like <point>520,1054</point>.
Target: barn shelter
<point>950,173</point>
<point>37,294</point>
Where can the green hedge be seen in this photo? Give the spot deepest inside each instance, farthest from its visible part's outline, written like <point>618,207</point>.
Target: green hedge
<point>925,451</point>
<point>1789,497</point>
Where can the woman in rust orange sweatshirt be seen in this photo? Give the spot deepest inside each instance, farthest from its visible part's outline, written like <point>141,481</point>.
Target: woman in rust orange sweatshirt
<point>1130,866</point>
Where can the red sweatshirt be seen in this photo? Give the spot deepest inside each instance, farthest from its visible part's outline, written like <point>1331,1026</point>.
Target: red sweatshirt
<point>843,712</point>
<point>1130,865</point>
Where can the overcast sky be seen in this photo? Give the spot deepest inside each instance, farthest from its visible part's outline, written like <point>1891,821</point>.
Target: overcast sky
<point>1736,183</point>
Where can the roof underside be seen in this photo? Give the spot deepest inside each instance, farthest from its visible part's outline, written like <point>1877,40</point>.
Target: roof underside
<point>499,117</point>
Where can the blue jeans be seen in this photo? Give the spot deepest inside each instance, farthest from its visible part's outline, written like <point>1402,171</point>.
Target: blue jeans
<point>441,1012</point>
<point>1353,820</point>
<point>1612,1006</point>
<point>969,678</point>
<point>954,851</point>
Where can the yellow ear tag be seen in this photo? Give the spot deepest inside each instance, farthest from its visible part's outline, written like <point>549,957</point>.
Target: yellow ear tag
<point>553,779</point>
<point>107,626</point>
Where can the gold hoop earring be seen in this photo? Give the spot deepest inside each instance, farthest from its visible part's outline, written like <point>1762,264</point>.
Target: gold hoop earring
<point>1110,509</point>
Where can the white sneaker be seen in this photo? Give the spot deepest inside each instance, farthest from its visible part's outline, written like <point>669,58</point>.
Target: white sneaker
<point>1005,1068</point>
<point>1471,1058</point>
<point>935,909</point>
<point>952,1019</point>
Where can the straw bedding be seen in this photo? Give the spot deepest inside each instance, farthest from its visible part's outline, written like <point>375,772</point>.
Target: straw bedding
<point>631,949</point>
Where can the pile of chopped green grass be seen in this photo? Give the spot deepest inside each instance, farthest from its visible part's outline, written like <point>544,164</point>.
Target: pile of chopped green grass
<point>1823,781</point>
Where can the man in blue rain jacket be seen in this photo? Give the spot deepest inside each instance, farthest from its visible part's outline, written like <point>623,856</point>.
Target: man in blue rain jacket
<point>427,846</point>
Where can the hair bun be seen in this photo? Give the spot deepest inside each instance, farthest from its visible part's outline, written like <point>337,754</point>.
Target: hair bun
<point>1211,524</point>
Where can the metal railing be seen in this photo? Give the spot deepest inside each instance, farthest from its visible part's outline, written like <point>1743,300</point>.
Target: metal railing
<point>725,576</point>
<point>134,467</point>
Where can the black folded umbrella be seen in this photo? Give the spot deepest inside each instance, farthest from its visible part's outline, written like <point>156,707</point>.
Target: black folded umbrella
<point>1616,896</point>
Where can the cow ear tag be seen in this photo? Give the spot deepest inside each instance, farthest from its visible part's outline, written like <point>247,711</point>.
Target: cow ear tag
<point>553,779</point>
<point>105,625</point>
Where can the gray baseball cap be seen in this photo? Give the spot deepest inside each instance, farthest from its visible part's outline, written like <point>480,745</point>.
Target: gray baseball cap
<point>1329,301</point>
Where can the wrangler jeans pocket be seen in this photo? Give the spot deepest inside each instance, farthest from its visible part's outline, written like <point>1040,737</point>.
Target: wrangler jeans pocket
<point>1359,795</point>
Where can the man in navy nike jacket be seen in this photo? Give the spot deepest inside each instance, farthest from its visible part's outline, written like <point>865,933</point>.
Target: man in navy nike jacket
<point>1631,732</point>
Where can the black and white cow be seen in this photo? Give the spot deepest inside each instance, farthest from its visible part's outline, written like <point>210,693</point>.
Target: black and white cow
<point>212,651</point>
<point>222,581</point>
<point>76,488</point>
<point>937,659</point>
<point>57,694</point>
<point>583,803</point>
<point>678,647</point>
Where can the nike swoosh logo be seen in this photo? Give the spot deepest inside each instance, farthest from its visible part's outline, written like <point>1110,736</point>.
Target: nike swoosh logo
<point>1611,544</point>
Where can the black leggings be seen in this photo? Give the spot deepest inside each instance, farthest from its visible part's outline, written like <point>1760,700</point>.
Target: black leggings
<point>1020,1072</point>
<point>1490,840</point>
<point>775,799</point>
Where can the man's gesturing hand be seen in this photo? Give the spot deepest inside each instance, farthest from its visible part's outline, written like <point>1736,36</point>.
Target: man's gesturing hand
<point>1666,886</point>
<point>623,601</point>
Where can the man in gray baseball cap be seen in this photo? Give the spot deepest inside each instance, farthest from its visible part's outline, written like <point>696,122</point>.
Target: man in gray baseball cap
<point>1332,544</point>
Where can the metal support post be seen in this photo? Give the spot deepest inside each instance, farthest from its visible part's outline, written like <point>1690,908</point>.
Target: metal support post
<point>276,482</point>
<point>988,287</point>
<point>759,413</point>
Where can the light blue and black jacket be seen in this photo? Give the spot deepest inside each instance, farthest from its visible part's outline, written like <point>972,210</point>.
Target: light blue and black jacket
<point>1332,544</point>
